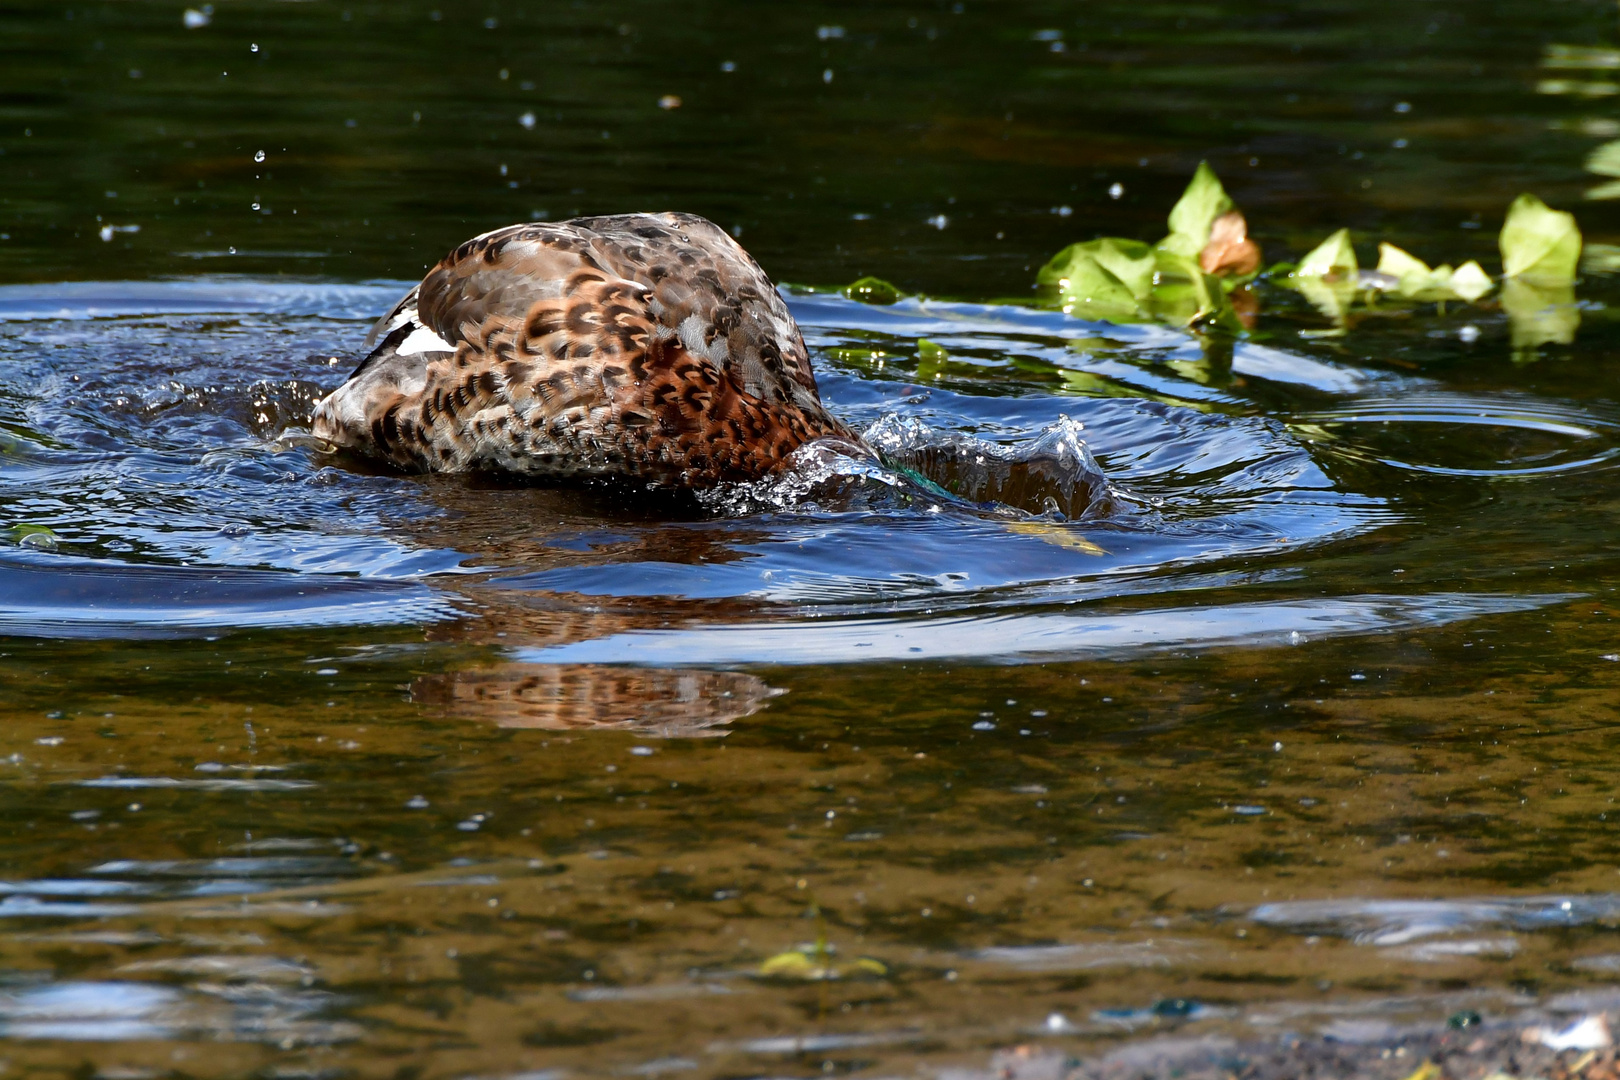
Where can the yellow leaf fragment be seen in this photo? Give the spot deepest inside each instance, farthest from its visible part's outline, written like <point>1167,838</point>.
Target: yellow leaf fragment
<point>1062,536</point>
<point>1426,1071</point>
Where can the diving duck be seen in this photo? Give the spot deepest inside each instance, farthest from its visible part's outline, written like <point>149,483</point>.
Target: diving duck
<point>642,347</point>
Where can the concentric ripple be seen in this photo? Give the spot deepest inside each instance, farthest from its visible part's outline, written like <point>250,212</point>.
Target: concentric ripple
<point>1485,436</point>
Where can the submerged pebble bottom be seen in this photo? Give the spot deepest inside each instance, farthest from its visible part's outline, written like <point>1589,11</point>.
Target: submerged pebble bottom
<point>1132,689</point>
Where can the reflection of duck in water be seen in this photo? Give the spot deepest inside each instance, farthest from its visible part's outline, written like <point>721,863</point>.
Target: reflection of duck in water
<point>643,346</point>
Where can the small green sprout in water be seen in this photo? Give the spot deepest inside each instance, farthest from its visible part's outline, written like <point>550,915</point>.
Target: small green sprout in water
<point>814,961</point>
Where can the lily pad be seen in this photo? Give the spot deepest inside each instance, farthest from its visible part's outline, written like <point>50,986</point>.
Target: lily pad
<point>1539,242</point>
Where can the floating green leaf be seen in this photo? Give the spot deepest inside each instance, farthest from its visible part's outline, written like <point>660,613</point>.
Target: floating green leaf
<point>1184,294</point>
<point>1102,279</point>
<point>1332,258</point>
<point>1540,243</point>
<point>1470,281</point>
<point>1190,220</point>
<point>1130,261</point>
<point>1091,290</point>
<point>871,290</point>
<point>1417,282</point>
<point>1327,277</point>
<point>1401,266</point>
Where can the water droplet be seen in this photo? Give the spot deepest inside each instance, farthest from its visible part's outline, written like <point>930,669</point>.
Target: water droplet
<point>669,101</point>
<point>259,156</point>
<point>728,66</point>
<point>527,120</point>
<point>1403,106</point>
<point>826,76</point>
<point>1115,190</point>
<point>939,221</point>
<point>416,802</point>
<point>985,725</point>
<point>1468,334</point>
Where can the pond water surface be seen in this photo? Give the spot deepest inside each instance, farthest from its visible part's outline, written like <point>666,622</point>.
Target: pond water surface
<point>1294,712</point>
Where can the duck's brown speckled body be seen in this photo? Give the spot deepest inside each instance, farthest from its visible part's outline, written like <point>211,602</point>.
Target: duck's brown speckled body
<point>642,346</point>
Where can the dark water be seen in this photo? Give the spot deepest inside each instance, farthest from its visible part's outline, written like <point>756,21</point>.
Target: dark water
<point>1301,717</point>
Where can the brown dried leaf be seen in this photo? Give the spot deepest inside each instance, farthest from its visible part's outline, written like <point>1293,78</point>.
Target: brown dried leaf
<point>1230,252</point>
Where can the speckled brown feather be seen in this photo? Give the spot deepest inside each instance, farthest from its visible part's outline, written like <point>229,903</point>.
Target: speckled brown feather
<point>641,346</point>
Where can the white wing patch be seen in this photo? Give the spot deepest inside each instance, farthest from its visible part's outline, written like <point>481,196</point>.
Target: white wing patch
<point>423,340</point>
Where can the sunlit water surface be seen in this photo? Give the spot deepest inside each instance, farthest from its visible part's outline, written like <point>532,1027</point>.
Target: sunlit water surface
<point>1149,684</point>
